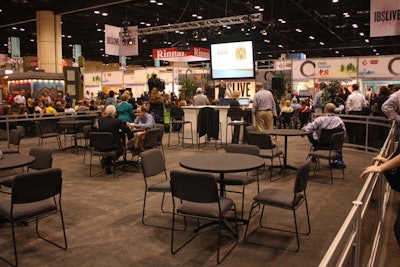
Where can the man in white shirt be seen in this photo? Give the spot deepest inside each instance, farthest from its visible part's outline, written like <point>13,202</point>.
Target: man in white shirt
<point>354,106</point>
<point>200,99</point>
<point>20,99</point>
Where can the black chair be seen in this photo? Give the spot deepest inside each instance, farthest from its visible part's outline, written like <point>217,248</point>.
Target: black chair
<point>267,149</point>
<point>235,120</point>
<point>102,145</point>
<point>85,136</point>
<point>209,126</point>
<point>43,158</point>
<point>13,142</point>
<point>47,132</point>
<point>178,122</point>
<point>304,118</point>
<point>335,152</point>
<point>241,179</point>
<point>283,199</point>
<point>34,196</point>
<point>325,139</point>
<point>199,195</point>
<point>160,137</point>
<point>153,167</point>
<point>286,119</point>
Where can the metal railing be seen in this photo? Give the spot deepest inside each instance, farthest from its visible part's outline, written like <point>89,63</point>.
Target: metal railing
<point>357,243</point>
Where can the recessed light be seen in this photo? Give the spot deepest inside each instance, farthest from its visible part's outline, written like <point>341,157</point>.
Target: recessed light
<point>298,30</point>
<point>355,26</point>
<point>160,3</point>
<point>361,34</point>
<point>311,37</point>
<point>321,43</point>
<point>96,12</point>
<point>104,14</point>
<point>367,40</point>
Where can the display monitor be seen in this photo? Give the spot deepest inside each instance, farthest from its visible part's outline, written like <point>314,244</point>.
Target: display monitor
<point>232,60</point>
<point>244,102</point>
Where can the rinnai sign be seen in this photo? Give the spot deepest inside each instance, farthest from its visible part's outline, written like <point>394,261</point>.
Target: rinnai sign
<point>176,55</point>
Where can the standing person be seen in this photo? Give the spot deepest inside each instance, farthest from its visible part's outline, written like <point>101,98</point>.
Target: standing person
<point>30,103</point>
<point>87,97</point>
<point>354,106</point>
<point>68,99</point>
<point>388,164</point>
<point>264,108</point>
<point>124,109</point>
<point>221,89</point>
<point>20,99</point>
<point>156,106</point>
<point>318,103</point>
<point>200,99</point>
<point>110,100</point>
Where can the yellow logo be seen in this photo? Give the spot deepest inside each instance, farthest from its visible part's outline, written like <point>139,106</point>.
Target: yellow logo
<point>240,53</point>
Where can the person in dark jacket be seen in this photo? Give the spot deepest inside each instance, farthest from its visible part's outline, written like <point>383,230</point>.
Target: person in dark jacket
<point>109,123</point>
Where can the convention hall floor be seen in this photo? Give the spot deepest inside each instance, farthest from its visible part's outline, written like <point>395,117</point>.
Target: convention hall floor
<point>104,228</point>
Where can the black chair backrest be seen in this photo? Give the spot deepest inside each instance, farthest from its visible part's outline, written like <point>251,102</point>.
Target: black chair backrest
<point>326,135</point>
<point>302,174</point>
<point>151,139</point>
<point>43,158</point>
<point>152,161</point>
<point>194,186</point>
<point>15,137</point>
<point>36,186</point>
<point>235,113</point>
<point>337,141</point>
<point>262,140</point>
<point>243,149</point>
<point>160,133</point>
<point>287,116</point>
<point>101,141</point>
<point>177,113</point>
<point>86,131</point>
<point>304,117</point>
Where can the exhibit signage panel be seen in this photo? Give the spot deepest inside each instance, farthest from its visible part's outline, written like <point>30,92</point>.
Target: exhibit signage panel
<point>379,67</point>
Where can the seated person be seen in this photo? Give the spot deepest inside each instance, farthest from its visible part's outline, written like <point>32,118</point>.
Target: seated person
<point>287,107</point>
<point>200,99</point>
<point>109,123</point>
<point>143,120</point>
<point>328,121</point>
<point>295,104</point>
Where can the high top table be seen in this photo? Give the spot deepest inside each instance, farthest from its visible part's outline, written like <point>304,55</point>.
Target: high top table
<point>222,163</point>
<point>286,133</point>
<point>11,161</point>
<point>74,123</point>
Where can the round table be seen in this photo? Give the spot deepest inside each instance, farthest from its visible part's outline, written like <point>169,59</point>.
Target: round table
<point>286,133</point>
<point>75,124</point>
<point>222,163</point>
<point>11,161</point>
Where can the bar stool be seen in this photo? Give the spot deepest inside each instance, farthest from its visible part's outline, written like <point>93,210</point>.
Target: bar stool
<point>178,119</point>
<point>235,119</point>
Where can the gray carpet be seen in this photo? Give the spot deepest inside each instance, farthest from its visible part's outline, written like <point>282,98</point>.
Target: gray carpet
<point>104,228</point>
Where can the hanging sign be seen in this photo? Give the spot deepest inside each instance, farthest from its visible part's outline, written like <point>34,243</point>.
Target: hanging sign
<point>384,18</point>
<point>175,54</point>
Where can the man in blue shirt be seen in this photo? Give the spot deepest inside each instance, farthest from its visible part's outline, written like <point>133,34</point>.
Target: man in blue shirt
<point>143,120</point>
<point>264,108</point>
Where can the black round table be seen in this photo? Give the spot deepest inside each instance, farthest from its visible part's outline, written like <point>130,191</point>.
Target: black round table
<point>222,163</point>
<point>286,133</point>
<point>11,161</point>
<point>75,124</point>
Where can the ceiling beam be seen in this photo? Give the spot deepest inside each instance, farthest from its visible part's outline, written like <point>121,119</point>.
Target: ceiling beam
<point>218,22</point>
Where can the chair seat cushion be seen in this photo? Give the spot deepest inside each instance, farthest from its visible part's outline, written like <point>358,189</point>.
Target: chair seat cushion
<point>270,153</point>
<point>277,197</point>
<point>164,186</point>
<point>48,135</point>
<point>237,179</point>
<point>27,211</point>
<point>325,154</point>
<point>210,210</point>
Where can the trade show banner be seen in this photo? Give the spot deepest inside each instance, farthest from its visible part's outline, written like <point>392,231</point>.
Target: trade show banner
<point>379,67</point>
<point>384,18</point>
<point>303,69</point>
<point>121,41</point>
<point>112,40</point>
<point>112,78</point>
<point>336,68</point>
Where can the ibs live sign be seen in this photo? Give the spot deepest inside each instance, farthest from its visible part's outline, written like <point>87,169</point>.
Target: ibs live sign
<point>385,18</point>
<point>14,49</point>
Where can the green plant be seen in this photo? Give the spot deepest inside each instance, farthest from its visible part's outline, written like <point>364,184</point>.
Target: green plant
<point>331,92</point>
<point>189,87</point>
